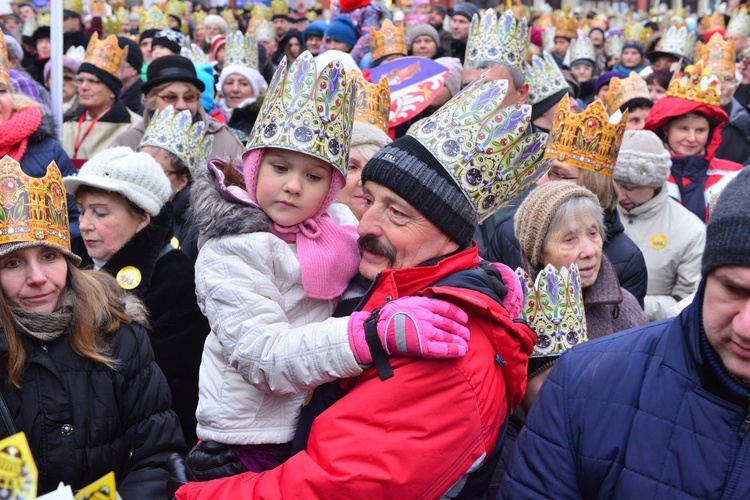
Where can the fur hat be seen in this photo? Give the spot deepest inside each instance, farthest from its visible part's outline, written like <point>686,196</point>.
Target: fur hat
<point>254,78</point>
<point>642,160</point>
<point>135,176</point>
<point>218,21</point>
<point>421,30</point>
<point>364,133</point>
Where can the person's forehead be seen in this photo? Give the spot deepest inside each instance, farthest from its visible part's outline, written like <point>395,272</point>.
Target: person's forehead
<point>383,193</point>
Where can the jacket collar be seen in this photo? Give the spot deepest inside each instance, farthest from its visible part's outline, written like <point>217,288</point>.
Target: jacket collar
<point>606,288</point>
<point>651,208</point>
<point>612,223</point>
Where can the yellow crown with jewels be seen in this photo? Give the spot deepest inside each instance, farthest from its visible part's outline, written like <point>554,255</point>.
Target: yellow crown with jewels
<point>153,19</point>
<point>111,26</point>
<point>73,6</point>
<point>176,8</point>
<point>44,19</point>
<point>260,11</point>
<point>228,16</point>
<point>714,22</point>
<point>279,8</point>
<point>582,48</point>
<point>242,50</point>
<point>485,146</point>
<point>636,32</point>
<point>97,8</point>
<point>307,112</point>
<point>106,54</point>
<point>545,78</point>
<point>388,40</point>
<point>123,15</point>
<point>623,90</point>
<point>590,140</point>
<point>372,102</point>
<point>717,54</point>
<point>553,309</point>
<point>34,209</point>
<point>198,18</point>
<point>566,25</point>
<point>696,83</point>
<point>739,24</point>
<point>4,72</point>
<point>177,133</point>
<point>505,41</point>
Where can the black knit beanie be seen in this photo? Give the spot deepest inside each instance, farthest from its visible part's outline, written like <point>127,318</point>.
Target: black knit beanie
<point>728,229</point>
<point>408,169</point>
<point>545,104</point>
<point>114,84</point>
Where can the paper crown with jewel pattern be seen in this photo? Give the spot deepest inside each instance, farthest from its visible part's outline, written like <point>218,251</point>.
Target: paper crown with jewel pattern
<point>106,54</point>
<point>262,30</point>
<point>279,8</point>
<point>678,42</point>
<point>613,45</point>
<point>717,54</point>
<point>111,26</point>
<point>548,39</point>
<point>553,308</point>
<point>504,40</point>
<point>44,19</point>
<point>484,145</point>
<point>177,133</point>
<point>123,15</point>
<point>97,8</point>
<point>714,22</point>
<point>228,16</point>
<point>176,8</point>
<point>241,50</point>
<point>34,209</point>
<point>566,25</point>
<point>590,140</point>
<point>261,11</point>
<point>739,24</point>
<point>195,54</point>
<point>199,18</point>
<point>77,53</point>
<point>153,19</point>
<point>636,32</point>
<point>73,6</point>
<point>307,113</point>
<point>4,71</point>
<point>372,102</point>
<point>696,83</point>
<point>623,90</point>
<point>582,48</point>
<point>544,78</point>
<point>388,40</point>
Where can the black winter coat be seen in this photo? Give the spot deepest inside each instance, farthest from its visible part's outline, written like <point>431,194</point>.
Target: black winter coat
<point>84,419</point>
<point>621,250</point>
<point>187,237</point>
<point>167,288</point>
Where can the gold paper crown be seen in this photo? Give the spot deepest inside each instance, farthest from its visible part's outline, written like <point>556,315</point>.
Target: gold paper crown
<point>306,112</point>
<point>241,50</point>
<point>590,140</point>
<point>623,90</point>
<point>33,209</point>
<point>679,42</point>
<point>505,41</point>
<point>553,308</point>
<point>484,145</point>
<point>261,11</point>
<point>176,8</point>
<point>717,54</point>
<point>97,8</point>
<point>106,54</point>
<point>44,19</point>
<point>279,7</point>
<point>153,19</point>
<point>388,40</point>
<point>263,30</point>
<point>198,18</point>
<point>111,26</point>
<point>613,46</point>
<point>566,25</point>
<point>544,78</point>
<point>636,32</point>
<point>600,21</point>
<point>544,21</point>
<point>228,16</point>
<point>123,16</point>
<point>372,102</point>
<point>73,6</point>
<point>582,48</point>
<point>739,24</point>
<point>177,133</point>
<point>696,83</point>
<point>4,72</point>
<point>714,22</point>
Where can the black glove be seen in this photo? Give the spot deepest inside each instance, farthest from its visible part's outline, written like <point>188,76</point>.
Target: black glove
<point>211,460</point>
<point>177,474</point>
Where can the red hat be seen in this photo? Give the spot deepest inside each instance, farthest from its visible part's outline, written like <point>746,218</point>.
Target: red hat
<point>217,43</point>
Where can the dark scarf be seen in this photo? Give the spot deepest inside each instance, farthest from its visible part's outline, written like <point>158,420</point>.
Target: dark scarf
<point>689,173</point>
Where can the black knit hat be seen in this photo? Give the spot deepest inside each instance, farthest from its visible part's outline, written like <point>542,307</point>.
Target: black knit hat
<point>149,33</point>
<point>728,229</point>
<point>171,69</point>
<point>408,169</point>
<point>135,56</point>
<point>545,104</point>
<point>114,84</point>
<point>169,38</point>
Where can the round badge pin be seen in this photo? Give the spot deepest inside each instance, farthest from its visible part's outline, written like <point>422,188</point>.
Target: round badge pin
<point>128,277</point>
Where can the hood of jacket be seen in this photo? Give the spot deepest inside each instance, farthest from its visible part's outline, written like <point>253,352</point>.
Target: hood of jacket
<point>612,223</point>
<point>46,129</point>
<point>739,118</point>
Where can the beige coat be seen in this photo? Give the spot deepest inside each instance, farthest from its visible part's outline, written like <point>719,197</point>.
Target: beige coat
<point>114,123</point>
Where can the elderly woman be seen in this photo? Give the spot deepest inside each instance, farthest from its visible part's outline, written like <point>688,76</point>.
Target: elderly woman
<point>172,80</point>
<point>69,89</point>
<point>79,374</point>
<point>670,237</point>
<point>126,230</point>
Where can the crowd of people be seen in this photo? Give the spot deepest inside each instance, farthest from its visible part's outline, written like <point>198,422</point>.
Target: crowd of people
<point>244,268</point>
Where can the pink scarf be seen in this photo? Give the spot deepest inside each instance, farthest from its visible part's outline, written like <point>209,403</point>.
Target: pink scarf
<point>328,253</point>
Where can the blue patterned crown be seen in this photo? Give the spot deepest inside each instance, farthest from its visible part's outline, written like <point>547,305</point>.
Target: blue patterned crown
<point>679,42</point>
<point>484,145</point>
<point>614,45</point>
<point>739,24</point>
<point>241,50</point>
<point>308,113</point>
<point>582,48</point>
<point>544,78</point>
<point>504,41</point>
<point>177,133</point>
<point>195,54</point>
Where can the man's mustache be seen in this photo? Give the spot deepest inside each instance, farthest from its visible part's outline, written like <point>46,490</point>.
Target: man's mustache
<point>376,247</point>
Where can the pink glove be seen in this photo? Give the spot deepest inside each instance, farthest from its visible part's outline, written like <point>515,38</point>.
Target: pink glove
<point>412,326</point>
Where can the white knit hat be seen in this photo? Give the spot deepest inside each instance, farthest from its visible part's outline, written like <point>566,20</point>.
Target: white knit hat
<point>643,160</point>
<point>136,176</point>
<point>256,80</point>
<point>218,21</point>
<point>364,133</point>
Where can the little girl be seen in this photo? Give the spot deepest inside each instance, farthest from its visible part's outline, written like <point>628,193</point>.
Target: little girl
<point>273,264</point>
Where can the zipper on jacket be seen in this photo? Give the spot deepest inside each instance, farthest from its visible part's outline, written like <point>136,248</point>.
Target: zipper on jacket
<point>745,425</point>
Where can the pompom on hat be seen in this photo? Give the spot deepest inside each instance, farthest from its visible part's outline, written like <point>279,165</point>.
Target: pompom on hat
<point>642,160</point>
<point>135,176</point>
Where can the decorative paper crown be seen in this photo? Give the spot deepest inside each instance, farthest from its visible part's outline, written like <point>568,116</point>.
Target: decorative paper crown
<point>590,140</point>
<point>696,83</point>
<point>195,54</point>
<point>714,22</point>
<point>739,24</point>
<point>97,8</point>
<point>389,39</point>
<point>505,41</point>
<point>717,54</point>
<point>279,7</point>
<point>263,30</point>
<point>622,90</point>
<point>4,72</point>
<point>677,41</point>
<point>307,113</point>
<point>73,6</point>
<point>484,145</point>
<point>261,11</point>
<point>241,50</point>
<point>198,18</point>
<point>123,15</point>
<point>614,44</point>
<point>553,308</point>
<point>33,209</point>
<point>176,9</point>
<point>582,48</point>
<point>153,19</point>
<point>106,54</point>
<point>177,133</point>
<point>228,16</point>
<point>544,78</point>
<point>600,21</point>
<point>372,102</point>
<point>636,32</point>
<point>77,53</point>
<point>566,25</point>
<point>44,19</point>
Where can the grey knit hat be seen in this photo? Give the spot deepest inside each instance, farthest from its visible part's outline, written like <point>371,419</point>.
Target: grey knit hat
<point>408,169</point>
<point>643,160</point>
<point>466,9</point>
<point>423,29</point>
<point>533,217</point>
<point>728,229</point>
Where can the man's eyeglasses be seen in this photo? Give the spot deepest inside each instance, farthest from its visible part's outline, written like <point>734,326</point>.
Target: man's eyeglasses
<point>174,98</point>
<point>89,81</point>
<point>69,78</point>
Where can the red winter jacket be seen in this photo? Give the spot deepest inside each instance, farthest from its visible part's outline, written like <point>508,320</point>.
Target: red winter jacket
<point>416,434</point>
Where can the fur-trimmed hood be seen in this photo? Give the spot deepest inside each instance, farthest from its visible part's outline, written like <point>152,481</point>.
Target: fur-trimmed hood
<point>212,214</point>
<point>46,129</point>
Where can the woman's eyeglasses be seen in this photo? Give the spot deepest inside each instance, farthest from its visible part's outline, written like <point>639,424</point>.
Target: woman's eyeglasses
<point>174,98</point>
